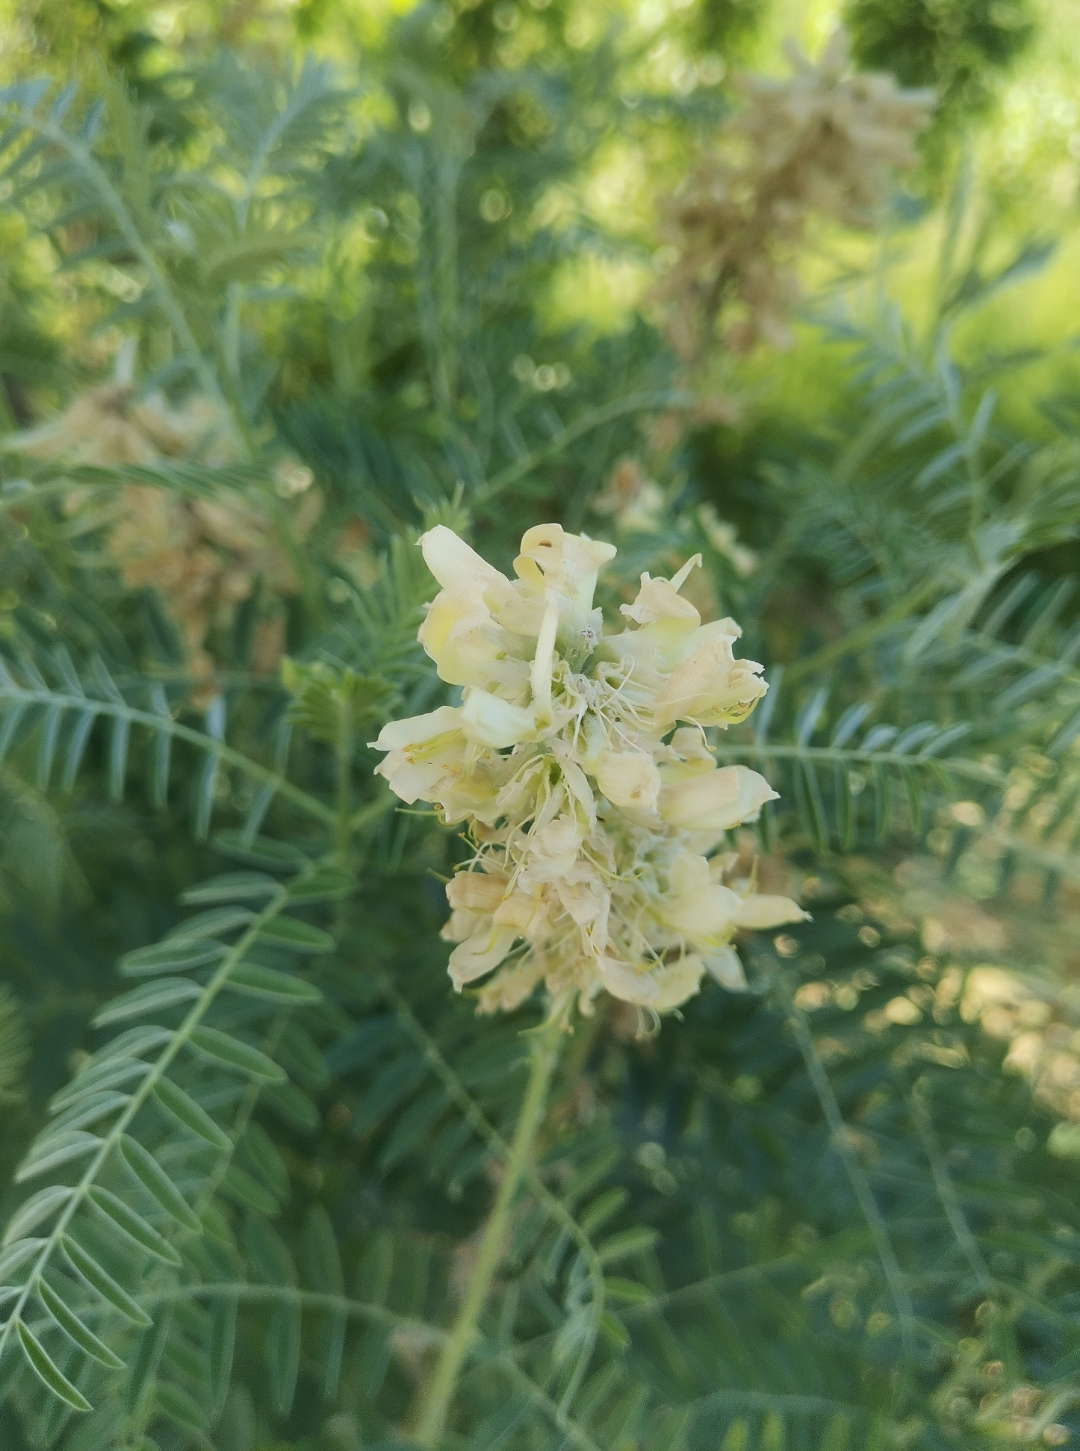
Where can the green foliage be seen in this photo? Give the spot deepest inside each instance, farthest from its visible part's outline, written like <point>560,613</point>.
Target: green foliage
<point>257,1137</point>
<point>959,47</point>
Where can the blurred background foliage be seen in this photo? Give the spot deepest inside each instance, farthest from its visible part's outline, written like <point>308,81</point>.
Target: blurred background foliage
<point>278,285</point>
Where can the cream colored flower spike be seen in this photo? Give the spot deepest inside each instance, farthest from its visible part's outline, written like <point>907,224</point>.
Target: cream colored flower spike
<point>578,761</point>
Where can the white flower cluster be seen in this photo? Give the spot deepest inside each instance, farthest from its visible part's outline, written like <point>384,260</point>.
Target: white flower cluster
<point>579,761</point>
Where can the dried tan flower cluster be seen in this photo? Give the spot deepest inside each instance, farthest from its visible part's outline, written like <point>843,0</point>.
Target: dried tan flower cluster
<point>204,556</point>
<point>579,761</point>
<point>821,143</point>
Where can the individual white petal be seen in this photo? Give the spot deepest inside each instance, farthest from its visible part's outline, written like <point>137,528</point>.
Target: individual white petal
<point>629,984</point>
<point>416,729</point>
<point>457,634</point>
<point>484,950</point>
<point>552,851</point>
<point>628,778</point>
<point>760,911</point>
<point>476,891</point>
<point>544,662</point>
<point>452,561</point>
<point>675,982</point>
<point>715,800</point>
<point>509,988</point>
<point>417,780</point>
<point>488,720</point>
<point>524,911</point>
<point>725,965</point>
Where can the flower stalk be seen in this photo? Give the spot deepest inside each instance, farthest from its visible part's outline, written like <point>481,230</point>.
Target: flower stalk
<point>438,1394</point>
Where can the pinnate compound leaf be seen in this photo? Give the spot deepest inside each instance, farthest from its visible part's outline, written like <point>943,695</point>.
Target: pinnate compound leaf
<point>35,1211</point>
<point>100,1281</point>
<point>173,955</point>
<point>152,997</point>
<point>75,1330</point>
<point>48,1372</point>
<point>56,1149</point>
<point>157,1183</point>
<point>133,1226</point>
<point>256,981</point>
<point>190,1114</point>
<point>229,1052</point>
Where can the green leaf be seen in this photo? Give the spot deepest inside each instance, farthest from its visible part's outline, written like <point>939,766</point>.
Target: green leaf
<point>152,997</point>
<point>75,1330</point>
<point>56,1149</point>
<point>322,1259</point>
<point>291,1105</point>
<point>297,936</point>
<point>157,1183</point>
<point>283,1355</point>
<point>99,1280</point>
<point>238,1185</point>
<point>629,1242</point>
<point>90,1110</point>
<point>48,1372</point>
<point>108,1074</point>
<point>208,924</point>
<point>192,1115</point>
<point>134,1042</point>
<point>35,1211</point>
<point>221,1348</point>
<point>326,885</point>
<point>261,851</point>
<point>16,1255</point>
<point>256,981</point>
<point>229,1052</point>
<point>232,887</point>
<point>173,955</point>
<point>614,1331</point>
<point>629,1291</point>
<point>265,1161</point>
<point>144,1365</point>
<point>175,1403</point>
<point>123,1218</point>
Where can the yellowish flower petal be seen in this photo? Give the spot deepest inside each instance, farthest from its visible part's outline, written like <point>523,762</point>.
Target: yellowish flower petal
<point>715,800</point>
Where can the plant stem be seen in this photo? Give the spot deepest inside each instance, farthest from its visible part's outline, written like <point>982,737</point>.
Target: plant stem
<point>439,1392</point>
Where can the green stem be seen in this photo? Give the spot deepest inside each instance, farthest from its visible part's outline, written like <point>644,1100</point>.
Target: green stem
<point>439,1392</point>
